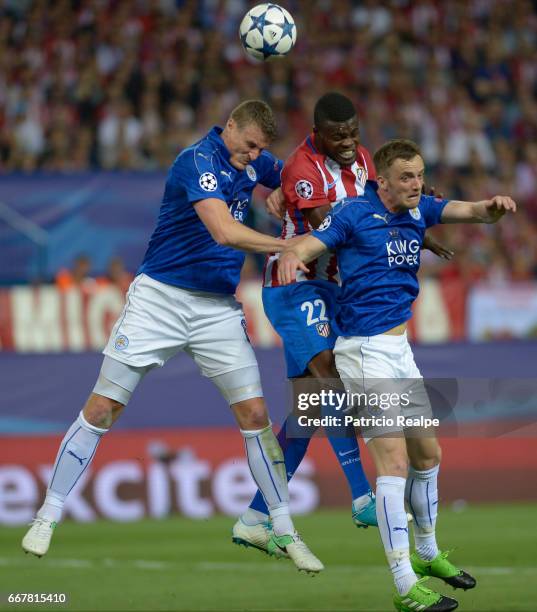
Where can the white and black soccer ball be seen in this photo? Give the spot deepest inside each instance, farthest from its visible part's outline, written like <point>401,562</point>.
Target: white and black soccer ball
<point>267,31</point>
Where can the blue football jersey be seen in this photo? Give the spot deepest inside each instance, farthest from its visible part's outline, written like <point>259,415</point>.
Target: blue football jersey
<point>181,251</point>
<point>378,256</point>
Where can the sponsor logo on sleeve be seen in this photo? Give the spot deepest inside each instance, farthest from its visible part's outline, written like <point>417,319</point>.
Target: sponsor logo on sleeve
<point>304,189</point>
<point>208,181</point>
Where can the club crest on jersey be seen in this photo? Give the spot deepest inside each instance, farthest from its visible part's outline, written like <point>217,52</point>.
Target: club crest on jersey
<point>325,224</point>
<point>415,213</point>
<point>304,189</point>
<point>252,174</point>
<point>208,181</point>
<point>323,329</point>
<point>121,343</point>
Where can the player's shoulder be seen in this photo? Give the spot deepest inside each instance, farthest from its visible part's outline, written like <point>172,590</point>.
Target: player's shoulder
<point>351,206</point>
<point>302,159</point>
<point>266,161</point>
<point>202,156</point>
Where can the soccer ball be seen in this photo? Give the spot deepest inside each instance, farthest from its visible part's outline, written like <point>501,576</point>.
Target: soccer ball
<point>267,31</point>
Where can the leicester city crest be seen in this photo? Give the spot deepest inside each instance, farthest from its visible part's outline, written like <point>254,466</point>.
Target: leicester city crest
<point>121,343</point>
<point>323,329</point>
<point>415,213</point>
<point>252,174</point>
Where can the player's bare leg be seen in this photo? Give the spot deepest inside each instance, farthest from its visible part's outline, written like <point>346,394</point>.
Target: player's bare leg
<point>266,462</point>
<point>75,454</point>
<point>421,494</point>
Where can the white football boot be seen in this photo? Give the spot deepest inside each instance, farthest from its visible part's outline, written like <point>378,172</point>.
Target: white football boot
<point>37,538</point>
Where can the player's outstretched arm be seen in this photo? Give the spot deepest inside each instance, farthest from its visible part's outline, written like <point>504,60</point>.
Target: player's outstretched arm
<point>484,211</point>
<point>226,231</point>
<point>295,258</point>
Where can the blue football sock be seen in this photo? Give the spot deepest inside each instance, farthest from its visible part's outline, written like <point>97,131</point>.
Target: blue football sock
<point>347,452</point>
<point>345,446</point>
<point>293,449</point>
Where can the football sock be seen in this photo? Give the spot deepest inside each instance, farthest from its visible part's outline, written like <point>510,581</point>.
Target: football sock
<point>345,446</point>
<point>347,452</point>
<point>421,495</point>
<point>75,454</point>
<point>267,466</point>
<point>294,450</point>
<point>393,527</point>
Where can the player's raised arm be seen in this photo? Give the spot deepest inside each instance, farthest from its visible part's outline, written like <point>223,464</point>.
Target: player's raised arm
<point>484,211</point>
<point>295,258</point>
<point>227,232</point>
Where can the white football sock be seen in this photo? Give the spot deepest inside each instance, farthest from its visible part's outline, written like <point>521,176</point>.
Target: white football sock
<point>253,517</point>
<point>75,454</point>
<point>361,502</point>
<point>265,459</point>
<point>393,528</point>
<point>421,495</point>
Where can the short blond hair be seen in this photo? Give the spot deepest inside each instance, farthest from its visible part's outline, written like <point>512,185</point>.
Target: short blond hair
<point>257,112</point>
<point>389,152</point>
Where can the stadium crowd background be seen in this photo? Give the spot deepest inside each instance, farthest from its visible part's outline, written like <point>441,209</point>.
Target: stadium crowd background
<point>126,84</point>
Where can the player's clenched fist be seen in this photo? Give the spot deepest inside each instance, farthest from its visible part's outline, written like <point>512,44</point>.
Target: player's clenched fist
<point>288,265</point>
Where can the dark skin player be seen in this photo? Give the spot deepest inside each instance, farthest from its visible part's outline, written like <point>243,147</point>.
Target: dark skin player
<point>339,140</point>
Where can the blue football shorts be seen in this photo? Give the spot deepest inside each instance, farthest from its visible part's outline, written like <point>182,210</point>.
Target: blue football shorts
<point>302,315</point>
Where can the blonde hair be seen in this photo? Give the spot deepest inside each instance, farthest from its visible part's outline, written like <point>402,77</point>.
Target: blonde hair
<point>257,112</point>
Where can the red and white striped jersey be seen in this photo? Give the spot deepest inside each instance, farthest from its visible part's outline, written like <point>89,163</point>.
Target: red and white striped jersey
<point>311,179</point>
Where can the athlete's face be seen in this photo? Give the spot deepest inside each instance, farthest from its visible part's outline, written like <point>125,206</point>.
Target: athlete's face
<point>243,143</point>
<point>402,183</point>
<point>338,140</point>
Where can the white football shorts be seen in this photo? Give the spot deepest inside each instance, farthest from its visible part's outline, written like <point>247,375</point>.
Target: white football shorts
<point>381,377</point>
<point>159,320</point>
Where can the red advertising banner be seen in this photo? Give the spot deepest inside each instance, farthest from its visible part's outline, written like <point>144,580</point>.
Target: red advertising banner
<point>47,319</point>
<point>200,472</point>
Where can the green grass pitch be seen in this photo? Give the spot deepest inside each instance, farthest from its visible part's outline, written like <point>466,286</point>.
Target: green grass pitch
<point>178,564</point>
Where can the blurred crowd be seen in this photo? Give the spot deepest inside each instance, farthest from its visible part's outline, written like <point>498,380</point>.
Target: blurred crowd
<point>125,84</point>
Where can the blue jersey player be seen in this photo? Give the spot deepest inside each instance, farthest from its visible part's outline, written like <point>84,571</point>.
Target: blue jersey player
<point>377,239</point>
<point>328,165</point>
<point>182,300</point>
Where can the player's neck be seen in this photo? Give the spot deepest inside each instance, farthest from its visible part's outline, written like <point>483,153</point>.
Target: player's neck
<point>389,204</point>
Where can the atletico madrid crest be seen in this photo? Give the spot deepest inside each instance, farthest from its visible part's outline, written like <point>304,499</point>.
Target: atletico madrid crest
<point>323,329</point>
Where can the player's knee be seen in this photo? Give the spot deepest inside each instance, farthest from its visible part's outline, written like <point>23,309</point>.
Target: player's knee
<point>428,460</point>
<point>102,411</point>
<point>424,453</point>
<point>251,414</point>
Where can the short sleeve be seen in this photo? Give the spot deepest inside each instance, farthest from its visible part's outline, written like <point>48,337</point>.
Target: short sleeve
<point>195,173</point>
<point>431,208</point>
<point>336,228</point>
<point>303,185</point>
<point>269,169</point>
